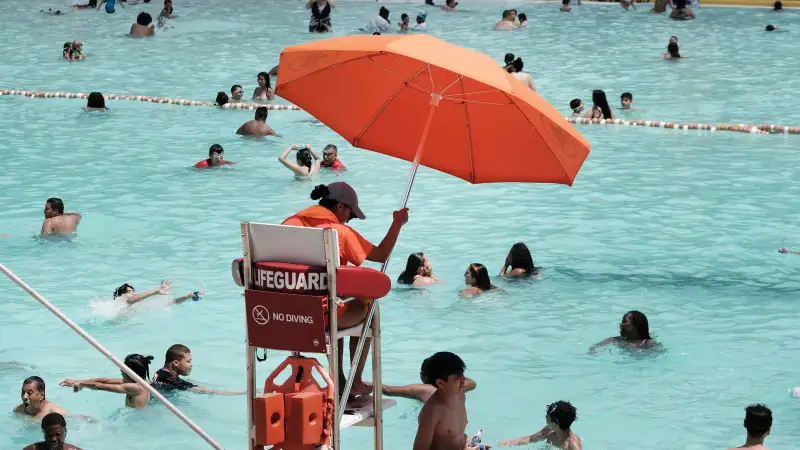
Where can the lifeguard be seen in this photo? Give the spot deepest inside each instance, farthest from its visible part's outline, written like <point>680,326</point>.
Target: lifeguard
<point>338,203</point>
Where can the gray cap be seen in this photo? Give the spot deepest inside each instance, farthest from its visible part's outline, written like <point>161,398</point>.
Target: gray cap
<point>343,193</point>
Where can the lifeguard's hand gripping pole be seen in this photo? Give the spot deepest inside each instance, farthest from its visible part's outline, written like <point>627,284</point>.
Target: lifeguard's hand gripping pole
<point>293,288</point>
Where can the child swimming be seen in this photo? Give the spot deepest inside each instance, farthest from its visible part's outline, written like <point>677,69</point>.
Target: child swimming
<point>558,420</point>
<point>135,395</point>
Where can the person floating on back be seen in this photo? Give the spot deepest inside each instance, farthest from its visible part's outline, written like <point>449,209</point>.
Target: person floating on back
<point>178,363</point>
<point>215,158</point>
<point>258,126</point>
<point>34,400</point>
<point>757,422</point>
<point>443,419</point>
<point>135,395</point>
<point>54,430</point>
<point>558,420</point>
<point>56,221</point>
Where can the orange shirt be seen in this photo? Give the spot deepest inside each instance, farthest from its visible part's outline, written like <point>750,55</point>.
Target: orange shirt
<point>353,248</point>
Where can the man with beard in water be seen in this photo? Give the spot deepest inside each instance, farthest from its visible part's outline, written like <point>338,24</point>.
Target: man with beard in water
<point>54,429</point>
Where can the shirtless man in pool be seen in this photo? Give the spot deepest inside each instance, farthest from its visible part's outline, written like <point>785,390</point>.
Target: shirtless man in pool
<point>34,402</point>
<point>56,221</point>
<point>258,126</point>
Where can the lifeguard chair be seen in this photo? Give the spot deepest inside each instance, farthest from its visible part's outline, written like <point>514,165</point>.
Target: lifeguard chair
<point>292,278</point>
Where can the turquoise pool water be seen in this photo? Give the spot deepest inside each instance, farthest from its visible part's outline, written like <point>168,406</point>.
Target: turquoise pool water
<point>683,226</point>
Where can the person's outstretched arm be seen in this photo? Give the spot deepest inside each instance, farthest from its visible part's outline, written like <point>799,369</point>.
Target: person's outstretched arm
<point>381,252</point>
<point>538,436</point>
<point>183,298</point>
<point>162,290</point>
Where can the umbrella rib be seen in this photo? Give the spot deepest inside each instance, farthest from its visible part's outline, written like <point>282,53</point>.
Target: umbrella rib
<point>469,137</point>
<point>378,113</point>
<point>478,102</point>
<point>474,92</point>
<point>457,80</point>
<point>413,76</point>
<point>542,137</point>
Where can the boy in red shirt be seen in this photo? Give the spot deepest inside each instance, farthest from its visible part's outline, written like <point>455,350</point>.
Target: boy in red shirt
<point>215,154</point>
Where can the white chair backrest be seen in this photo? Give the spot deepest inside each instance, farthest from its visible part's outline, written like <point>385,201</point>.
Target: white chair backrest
<point>289,244</point>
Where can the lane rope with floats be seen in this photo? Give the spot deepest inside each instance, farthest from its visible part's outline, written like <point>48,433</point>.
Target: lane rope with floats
<point>769,128</point>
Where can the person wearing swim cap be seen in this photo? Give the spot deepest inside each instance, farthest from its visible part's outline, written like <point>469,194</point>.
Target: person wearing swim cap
<point>338,204</point>
<point>54,430</point>
<point>110,4</point>
<point>421,24</point>
<point>215,158</point>
<point>135,395</point>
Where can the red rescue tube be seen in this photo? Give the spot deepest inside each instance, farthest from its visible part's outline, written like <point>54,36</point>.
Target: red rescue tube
<point>351,281</point>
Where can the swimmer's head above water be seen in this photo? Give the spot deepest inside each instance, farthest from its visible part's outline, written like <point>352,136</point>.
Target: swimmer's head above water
<point>477,276</point>
<point>634,326</point>
<point>444,370</point>
<point>673,50</point>
<point>561,415</point>
<point>222,98</point>
<point>770,28</point>
<point>216,152</point>
<point>54,430</point>
<point>96,101</point>
<point>519,257</point>
<point>144,19</point>
<point>417,264</point>
<point>576,105</point>
<point>125,289</point>
<point>261,114</point>
<point>33,393</point>
<point>329,154</point>
<point>140,365</point>
<point>625,100</point>
<point>304,158</point>
<point>383,12</point>
<point>53,207</point>
<point>263,80</point>
<point>778,6</point>
<point>179,360</point>
<point>237,93</point>
<point>340,199</point>
<point>758,421</point>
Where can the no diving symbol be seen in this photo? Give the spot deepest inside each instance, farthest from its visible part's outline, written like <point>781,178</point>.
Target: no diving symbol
<point>260,315</point>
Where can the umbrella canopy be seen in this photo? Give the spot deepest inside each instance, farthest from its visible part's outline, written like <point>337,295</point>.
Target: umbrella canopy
<point>378,92</point>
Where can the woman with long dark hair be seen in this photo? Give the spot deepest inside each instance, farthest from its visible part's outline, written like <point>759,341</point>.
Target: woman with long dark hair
<point>305,167</point>
<point>519,260</point>
<point>600,108</point>
<point>634,333</point>
<point>477,278</point>
<point>418,271</point>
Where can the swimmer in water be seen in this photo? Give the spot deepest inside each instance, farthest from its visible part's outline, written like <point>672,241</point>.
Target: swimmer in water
<point>237,93</point>
<point>506,22</point>
<point>577,107</point>
<point>54,430</point>
<point>95,102</point>
<point>67,52</point>
<point>420,25</point>
<point>758,423</point>
<point>264,90</point>
<point>509,60</point>
<point>520,262</point>
<point>778,6</point>
<point>673,51</point>
<point>404,22</point>
<point>305,167</point>
<point>450,6</point>
<point>418,271</point>
<point>330,158</point>
<point>257,126</point>
<point>76,51</point>
<point>135,395</point>
<point>681,11</point>
<point>178,363</point>
<point>477,278</point>
<point>626,100</point>
<point>443,419</point>
<point>110,4</point>
<point>130,296</point>
<point>634,333</point>
<point>421,392</point>
<point>523,20</point>
<point>215,158</point>
<point>524,77</point>
<point>222,98</point>
<point>600,108</point>
<point>627,4</point>
<point>558,420</point>
<point>565,6</point>
<point>56,221</point>
<point>34,401</point>
<point>143,26</point>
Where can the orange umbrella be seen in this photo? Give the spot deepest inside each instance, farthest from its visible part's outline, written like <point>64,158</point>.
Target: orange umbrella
<point>402,94</point>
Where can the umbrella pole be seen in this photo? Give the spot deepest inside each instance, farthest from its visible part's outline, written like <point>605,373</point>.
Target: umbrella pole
<point>372,321</point>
